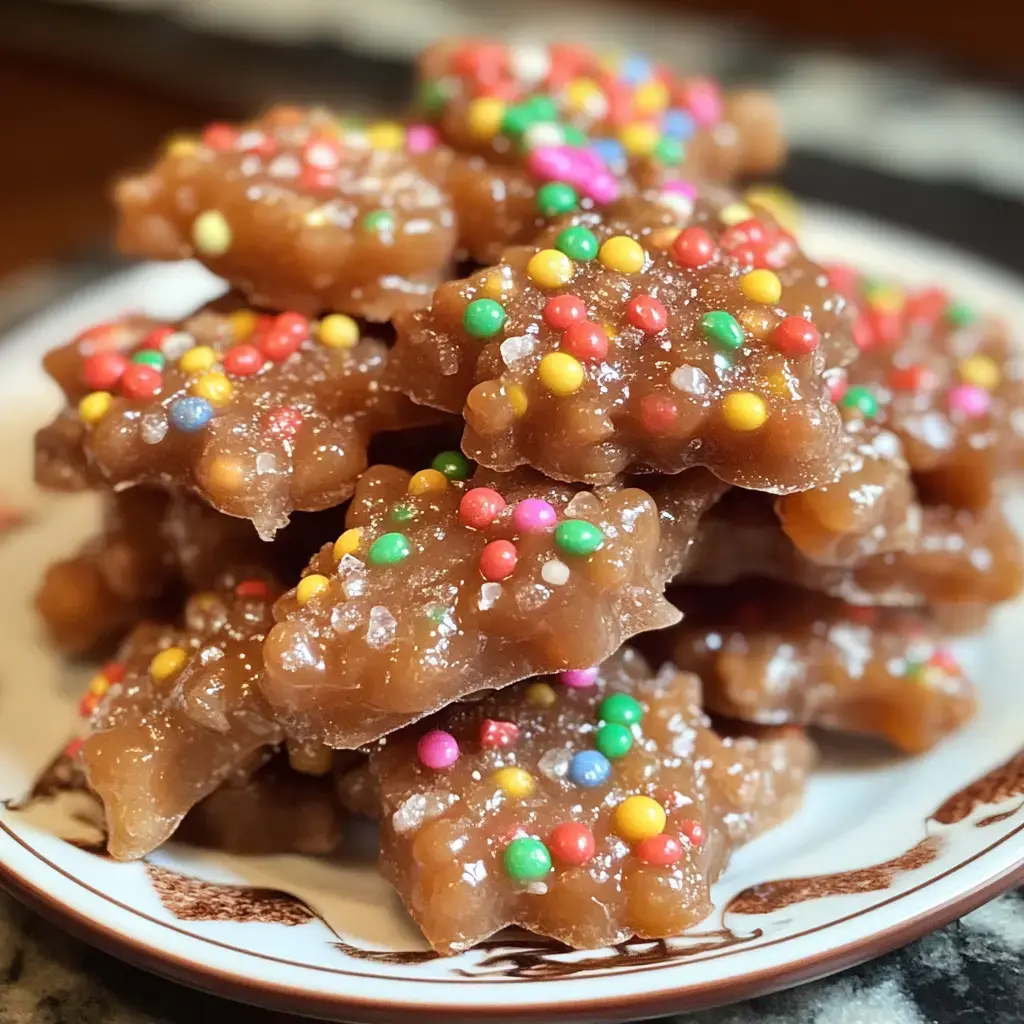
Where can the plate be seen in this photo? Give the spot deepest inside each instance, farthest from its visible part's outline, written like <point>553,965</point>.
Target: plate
<point>883,849</point>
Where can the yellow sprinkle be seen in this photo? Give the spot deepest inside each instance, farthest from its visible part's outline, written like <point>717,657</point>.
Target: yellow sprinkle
<point>348,543</point>
<point>761,286</point>
<point>778,384</point>
<point>887,298</point>
<point>743,410</point>
<point>95,406</point>
<point>623,254</point>
<point>225,474</point>
<point>181,145</point>
<point>99,684</point>
<point>550,268</point>
<point>981,371</point>
<point>580,93</point>
<point>427,481</point>
<point>388,135</point>
<point>494,286</point>
<point>338,331</point>
<point>778,202</point>
<point>166,663</point>
<point>540,695</point>
<point>651,97</point>
<point>560,373</point>
<point>243,323</point>
<point>639,138</point>
<point>211,233</point>
<point>662,238</point>
<point>198,359</point>
<point>733,213</point>
<point>514,782</point>
<point>484,116</point>
<point>639,817</point>
<point>310,586</point>
<point>517,399</point>
<point>214,387</point>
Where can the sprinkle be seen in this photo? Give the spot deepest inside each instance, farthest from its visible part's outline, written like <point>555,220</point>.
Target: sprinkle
<point>498,734</point>
<point>190,414</point>
<point>454,465</point>
<point>421,138</point>
<point>693,831</point>
<point>959,314</point>
<point>613,740</point>
<point>693,248</point>
<point>722,328</point>
<point>585,341</point>
<point>639,138</point>
<point>253,589</point>
<point>211,233</point>
<point>743,410</point>
<point>483,318</point>
<point>556,198</point>
<point>99,685</point>
<point>243,323</point>
<point>498,560</point>
<point>388,549</point>
<point>793,335</point>
<point>479,507</point>
<point>561,374</point>
<point>225,475</point>
<point>647,313</point>
<point>102,370</point>
<point>517,399</point>
<point>348,543</point>
<point>378,222</point>
<point>437,749</point>
<point>140,382</point>
<point>198,359</point>
<point>621,709</point>
<point>662,850</point>
<point>861,399</point>
<point>578,678</point>
<point>910,378</point>
<point>572,843</point>
<point>540,695</point>
<point>761,286</point>
<point>555,573</point>
<point>165,664</point>
<point>385,135</point>
<point>337,331</point>
<point>623,254</point>
<point>980,371</point>
<point>93,407</point>
<point>577,242</point>
<point>428,481</point>
<point>526,860</point>
<point>310,586</point>
<point>284,421</point>
<point>402,513</point>
<point>514,782</point>
<point>589,768</point>
<point>669,151</point>
<point>243,360</point>
<point>214,387</point>
<point>149,357</point>
<point>578,537</point>
<point>969,401</point>
<point>735,213</point>
<point>658,413</point>
<point>550,268</point>
<point>534,514</point>
<point>562,311</point>
<point>638,818</point>
<point>690,379</point>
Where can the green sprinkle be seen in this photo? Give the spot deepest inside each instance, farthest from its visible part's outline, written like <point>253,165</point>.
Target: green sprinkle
<point>483,318</point>
<point>620,709</point>
<point>556,198</point>
<point>577,243</point>
<point>388,549</point>
<point>613,740</point>
<point>578,537</point>
<point>454,465</point>
<point>669,151</point>
<point>861,399</point>
<point>527,860</point>
<point>403,513</point>
<point>722,328</point>
<point>432,95</point>
<point>959,314</point>
<point>517,119</point>
<point>149,357</point>
<point>542,107</point>
<point>378,221</point>
<point>575,137</point>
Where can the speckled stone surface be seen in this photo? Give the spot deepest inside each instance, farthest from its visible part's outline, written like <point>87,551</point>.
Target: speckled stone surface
<point>971,972</point>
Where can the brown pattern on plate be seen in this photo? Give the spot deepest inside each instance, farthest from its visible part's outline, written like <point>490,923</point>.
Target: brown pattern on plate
<point>1002,783</point>
<point>60,775</point>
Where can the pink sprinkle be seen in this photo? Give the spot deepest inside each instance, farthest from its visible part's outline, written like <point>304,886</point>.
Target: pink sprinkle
<point>969,400</point>
<point>579,678</point>
<point>550,163</point>
<point>704,101</point>
<point>438,749</point>
<point>679,187</point>
<point>581,168</point>
<point>421,138</point>
<point>602,188</point>
<point>534,514</point>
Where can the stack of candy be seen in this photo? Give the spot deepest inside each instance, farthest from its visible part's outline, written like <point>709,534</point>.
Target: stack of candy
<point>643,463</point>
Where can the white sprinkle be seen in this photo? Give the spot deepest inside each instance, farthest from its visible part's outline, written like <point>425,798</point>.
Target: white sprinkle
<point>677,202</point>
<point>529,64</point>
<point>381,629</point>
<point>546,133</point>
<point>175,345</point>
<point>284,166</point>
<point>691,379</point>
<point>555,573</point>
<point>554,763</point>
<point>537,888</point>
<point>514,349</point>
<point>153,427</point>
<point>489,594</point>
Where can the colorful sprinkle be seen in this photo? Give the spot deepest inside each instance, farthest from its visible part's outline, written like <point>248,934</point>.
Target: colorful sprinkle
<point>526,860</point>
<point>638,818</point>
<point>659,413</point>
<point>498,560</point>
<point>454,465</point>
<point>556,198</point>
<point>338,331</point>
<point>623,254</point>
<point>572,843</point>
<point>243,360</point>
<point>969,401</point>
<point>743,410</point>
<point>562,311</point>
<point>693,831</point>
<point>761,286</point>
<point>620,709</point>
<point>388,549</point>
<point>647,313</point>
<point>515,782</point>
<point>378,222</point>
<point>93,407</point>
<point>211,233</point>
<point>190,414</point>
<point>534,514</point>
<point>960,314</point>
<point>166,663</point>
<point>252,589</point>
<point>428,481</point>
<point>309,586</point>
<point>102,370</point>
<point>577,242</point>
<point>479,507</point>
<point>517,399</point>
<point>661,850</point>
<point>348,543</point>
<point>198,359</point>
<point>981,372</point>
<point>550,268</point>
<point>561,373</point>
<point>284,421</point>
<point>722,328</point>
<point>483,318</point>
<point>585,341</point>
<point>578,537</point>
<point>214,387</point>
<point>794,336</point>
<point>140,382</point>
<point>693,248</point>
<point>497,734</point>
<point>554,573</point>
<point>149,357</point>
<point>437,749</point>
<point>578,678</point>
<point>861,399</point>
<point>613,740</point>
<point>589,768</point>
<point>540,695</point>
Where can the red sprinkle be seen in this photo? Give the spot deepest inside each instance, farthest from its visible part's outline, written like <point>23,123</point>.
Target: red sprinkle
<point>252,588</point>
<point>693,247</point>
<point>911,378</point>
<point>562,311</point>
<point>694,831</point>
<point>88,704</point>
<point>885,325</point>
<point>73,746</point>
<point>480,507</point>
<point>795,336</point>
<point>926,306</point>
<point>494,733</point>
<point>140,381</point>
<point>156,337</point>
<point>284,421</point>
<point>243,360</point>
<point>861,614</point>
<point>863,336</point>
<point>279,343</point>
<point>944,660</point>
<point>102,370</point>
<point>317,180</point>
<point>647,313</point>
<point>113,672</point>
<point>586,341</point>
<point>571,843</point>
<point>498,560</point>
<point>659,413</point>
<point>220,137</point>
<point>322,153</point>
<point>661,850</point>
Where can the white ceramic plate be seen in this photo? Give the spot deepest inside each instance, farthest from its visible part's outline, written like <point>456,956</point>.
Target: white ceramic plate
<point>903,845</point>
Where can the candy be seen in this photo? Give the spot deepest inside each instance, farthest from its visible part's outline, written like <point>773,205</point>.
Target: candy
<point>621,709</point>
<point>168,662</point>
<point>483,318</point>
<point>578,243</point>
<point>190,414</point>
<point>578,537</point>
<point>438,749</point>
<point>454,465</point>
<point>743,410</point>
<point>623,254</point>
<point>980,371</point>
<point>93,407</point>
<point>338,331</point>
<point>102,370</point>
<point>514,782</point>
<point>479,507</point>
<point>498,560</point>
<point>722,328</point>
<point>532,514</point>
<point>348,543</point>
<point>527,860</point>
<point>198,359</point>
<point>795,336</point>
<point>555,198</point>
<point>647,313</point>
<point>862,400</point>
<point>661,850</point>
<point>214,387</point>
<point>427,481</point>
<point>638,818</point>
<point>389,549</point>
<point>613,740</point>
<point>310,586</point>
<point>563,311</point>
<point>540,695</point>
<point>693,247</point>
<point>589,768</point>
<point>495,734</point>
<point>585,341</point>
<point>211,233</point>
<point>969,401</point>
<point>578,678</point>
<point>140,382</point>
<point>572,843</point>
<point>561,374</point>
<point>550,268</point>
<point>243,360</point>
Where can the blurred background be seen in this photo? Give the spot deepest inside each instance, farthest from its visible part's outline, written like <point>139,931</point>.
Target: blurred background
<point>902,111</point>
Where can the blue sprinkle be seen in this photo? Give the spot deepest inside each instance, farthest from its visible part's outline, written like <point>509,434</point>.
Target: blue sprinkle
<point>191,414</point>
<point>589,768</point>
<point>635,69</point>
<point>677,124</point>
<point>611,153</point>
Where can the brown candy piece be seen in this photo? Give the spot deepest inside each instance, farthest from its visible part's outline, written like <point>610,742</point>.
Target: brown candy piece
<point>442,588</point>
<point>300,211</point>
<point>258,415</point>
<point>777,655</point>
<point>532,826</point>
<point>627,357</point>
